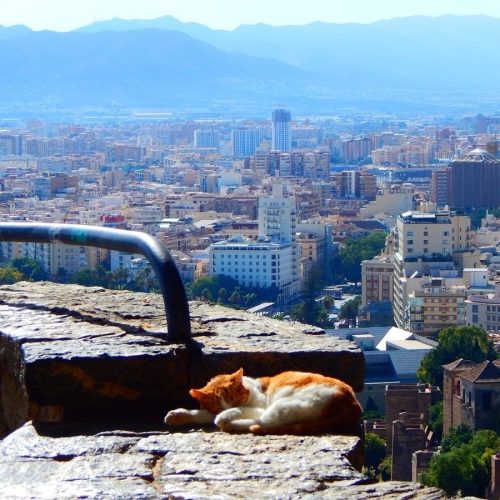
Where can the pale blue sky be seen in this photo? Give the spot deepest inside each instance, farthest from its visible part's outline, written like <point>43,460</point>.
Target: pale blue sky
<point>63,15</point>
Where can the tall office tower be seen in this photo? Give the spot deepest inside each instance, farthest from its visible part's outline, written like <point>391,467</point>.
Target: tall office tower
<point>475,179</point>
<point>206,139</point>
<point>281,130</point>
<point>440,187</point>
<point>245,142</point>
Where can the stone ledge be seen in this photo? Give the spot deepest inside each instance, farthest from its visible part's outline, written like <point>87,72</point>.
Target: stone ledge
<point>195,464</point>
<point>73,353</point>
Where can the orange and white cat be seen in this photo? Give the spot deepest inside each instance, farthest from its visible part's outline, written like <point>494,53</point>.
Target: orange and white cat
<point>288,403</point>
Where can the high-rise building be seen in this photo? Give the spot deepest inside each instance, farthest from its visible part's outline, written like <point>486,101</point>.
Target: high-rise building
<point>475,179</point>
<point>245,142</point>
<point>281,130</point>
<point>440,187</point>
<point>426,245</point>
<point>355,184</point>
<point>206,139</point>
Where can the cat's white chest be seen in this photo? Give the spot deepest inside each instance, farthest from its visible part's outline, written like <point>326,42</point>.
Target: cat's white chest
<point>257,398</point>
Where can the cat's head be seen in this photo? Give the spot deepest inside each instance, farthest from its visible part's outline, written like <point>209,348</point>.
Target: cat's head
<point>222,392</point>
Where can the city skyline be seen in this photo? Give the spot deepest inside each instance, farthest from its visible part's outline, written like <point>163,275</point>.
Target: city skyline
<point>228,15</point>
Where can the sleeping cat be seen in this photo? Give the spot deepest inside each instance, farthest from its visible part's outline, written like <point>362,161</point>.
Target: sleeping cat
<point>288,403</point>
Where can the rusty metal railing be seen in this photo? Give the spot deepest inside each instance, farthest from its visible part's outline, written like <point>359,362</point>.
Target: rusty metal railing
<point>172,288</point>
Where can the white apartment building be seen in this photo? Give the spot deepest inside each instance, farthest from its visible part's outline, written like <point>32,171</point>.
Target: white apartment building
<point>273,259</point>
<point>259,264</point>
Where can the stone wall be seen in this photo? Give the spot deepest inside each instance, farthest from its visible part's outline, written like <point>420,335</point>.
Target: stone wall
<point>91,368</point>
<point>408,436</point>
<point>410,398</point>
<point>420,462</point>
<point>69,353</point>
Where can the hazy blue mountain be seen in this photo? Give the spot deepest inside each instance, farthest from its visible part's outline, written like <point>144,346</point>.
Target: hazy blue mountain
<point>399,64</point>
<point>132,68</point>
<point>429,52</point>
<point>13,31</point>
<point>169,23</point>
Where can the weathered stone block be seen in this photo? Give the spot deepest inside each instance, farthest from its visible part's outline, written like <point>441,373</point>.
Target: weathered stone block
<point>264,346</point>
<point>196,464</point>
<point>73,353</point>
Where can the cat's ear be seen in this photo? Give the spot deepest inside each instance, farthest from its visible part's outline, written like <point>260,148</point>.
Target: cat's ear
<point>238,376</point>
<point>197,394</point>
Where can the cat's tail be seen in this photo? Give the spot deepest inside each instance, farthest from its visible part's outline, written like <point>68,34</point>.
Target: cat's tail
<point>345,422</point>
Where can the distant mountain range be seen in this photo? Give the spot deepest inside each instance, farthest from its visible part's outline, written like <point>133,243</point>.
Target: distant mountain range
<point>415,62</point>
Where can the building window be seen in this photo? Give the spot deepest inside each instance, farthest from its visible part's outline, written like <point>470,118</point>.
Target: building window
<point>475,308</point>
<point>486,400</point>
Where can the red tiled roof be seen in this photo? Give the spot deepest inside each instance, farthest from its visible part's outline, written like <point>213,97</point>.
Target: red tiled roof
<point>487,371</point>
<point>459,365</point>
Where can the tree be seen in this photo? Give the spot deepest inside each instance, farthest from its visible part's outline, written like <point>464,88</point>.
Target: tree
<point>207,295</point>
<point>371,411</point>
<point>223,287</point>
<point>468,342</point>
<point>235,297</point>
<point>328,302</point>
<point>31,268</point>
<point>61,275</point>
<point>374,450</point>
<point>10,275</point>
<point>347,264</point>
<point>222,296</point>
<point>457,436</point>
<point>91,277</point>
<point>213,284</point>
<point>349,310</point>
<point>385,469</point>
<point>463,466</point>
<point>436,420</point>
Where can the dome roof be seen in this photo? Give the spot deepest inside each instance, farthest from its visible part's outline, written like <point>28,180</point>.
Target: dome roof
<point>478,154</point>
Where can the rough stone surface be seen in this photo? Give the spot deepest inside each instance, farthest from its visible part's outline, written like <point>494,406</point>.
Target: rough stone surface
<point>83,362</point>
<point>70,353</point>
<point>196,464</point>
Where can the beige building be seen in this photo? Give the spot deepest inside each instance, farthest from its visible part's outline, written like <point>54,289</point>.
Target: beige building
<point>489,232</point>
<point>377,277</point>
<point>388,201</point>
<point>426,244</point>
<point>484,310</point>
<point>52,256</point>
<point>435,306</point>
<point>425,234</point>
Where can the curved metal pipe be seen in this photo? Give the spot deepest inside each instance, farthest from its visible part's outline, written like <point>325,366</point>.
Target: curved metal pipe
<point>172,288</point>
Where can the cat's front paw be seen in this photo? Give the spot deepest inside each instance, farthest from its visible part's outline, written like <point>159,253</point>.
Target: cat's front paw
<point>223,420</point>
<point>181,416</point>
<point>258,429</point>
